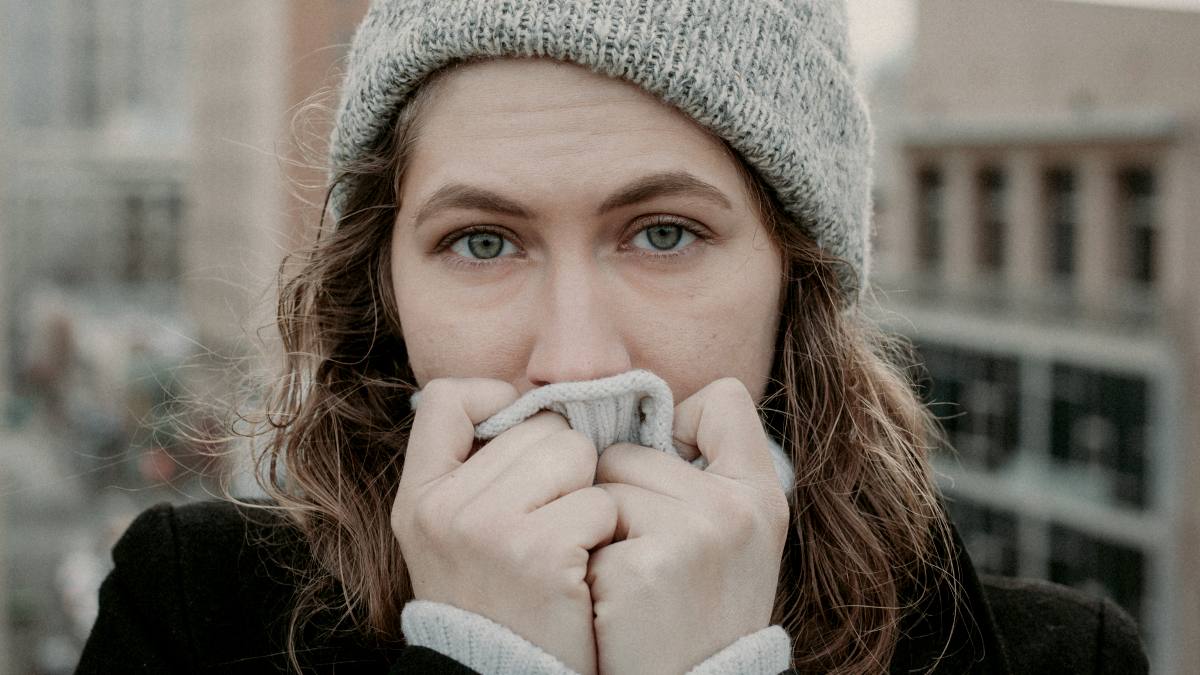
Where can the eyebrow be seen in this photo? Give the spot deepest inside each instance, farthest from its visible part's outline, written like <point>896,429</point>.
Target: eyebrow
<point>645,188</point>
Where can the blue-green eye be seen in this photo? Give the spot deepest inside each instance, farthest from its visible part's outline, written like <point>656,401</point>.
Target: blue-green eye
<point>663,237</point>
<point>481,245</point>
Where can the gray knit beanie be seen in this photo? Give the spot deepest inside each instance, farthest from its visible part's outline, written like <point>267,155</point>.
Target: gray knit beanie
<point>771,77</point>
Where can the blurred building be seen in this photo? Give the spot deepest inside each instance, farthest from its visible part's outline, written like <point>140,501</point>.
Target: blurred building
<point>146,198</point>
<point>1040,166</point>
<point>94,137</point>
<point>257,70</point>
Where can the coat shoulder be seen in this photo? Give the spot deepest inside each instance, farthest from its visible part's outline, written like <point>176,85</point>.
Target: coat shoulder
<point>209,583</point>
<point>205,544</point>
<point>1046,627</point>
<point>211,587</point>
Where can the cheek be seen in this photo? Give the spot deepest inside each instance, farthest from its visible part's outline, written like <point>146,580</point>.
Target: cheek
<point>446,337</point>
<point>724,329</point>
<point>447,343</point>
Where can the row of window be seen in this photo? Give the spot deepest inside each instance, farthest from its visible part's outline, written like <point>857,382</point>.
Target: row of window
<point>1091,422</point>
<point>1136,194</point>
<point>75,62</point>
<point>132,234</point>
<point>1087,421</point>
<point>998,543</point>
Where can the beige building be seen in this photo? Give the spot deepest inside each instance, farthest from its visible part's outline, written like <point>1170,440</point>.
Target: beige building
<point>1037,232</point>
<point>143,209</point>
<point>254,65</point>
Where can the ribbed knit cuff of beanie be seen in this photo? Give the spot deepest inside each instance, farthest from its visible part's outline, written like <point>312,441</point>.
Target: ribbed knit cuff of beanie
<point>489,648</point>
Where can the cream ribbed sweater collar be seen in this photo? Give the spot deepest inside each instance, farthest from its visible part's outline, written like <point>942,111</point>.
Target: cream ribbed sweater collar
<point>633,407</point>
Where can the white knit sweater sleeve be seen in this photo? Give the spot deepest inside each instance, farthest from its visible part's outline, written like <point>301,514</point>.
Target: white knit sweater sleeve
<point>765,652</point>
<point>491,649</point>
<point>475,641</point>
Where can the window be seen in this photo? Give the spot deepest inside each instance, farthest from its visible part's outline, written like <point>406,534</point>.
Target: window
<point>1097,566</point>
<point>1136,192</point>
<point>31,60</point>
<point>84,90</point>
<point>1098,424</point>
<point>1061,214</point>
<point>930,198</point>
<point>134,221</point>
<point>976,396</point>
<point>151,220</point>
<point>990,218</point>
<point>76,63</point>
<point>989,535</point>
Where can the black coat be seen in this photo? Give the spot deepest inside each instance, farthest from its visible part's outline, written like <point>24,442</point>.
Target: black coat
<point>206,588</point>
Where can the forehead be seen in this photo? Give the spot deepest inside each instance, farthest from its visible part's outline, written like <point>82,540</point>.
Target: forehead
<point>548,119</point>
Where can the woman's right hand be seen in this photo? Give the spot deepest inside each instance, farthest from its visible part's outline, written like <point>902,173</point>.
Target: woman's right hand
<point>505,532</point>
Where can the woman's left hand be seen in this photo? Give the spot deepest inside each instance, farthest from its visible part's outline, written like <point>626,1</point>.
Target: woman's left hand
<point>694,563</point>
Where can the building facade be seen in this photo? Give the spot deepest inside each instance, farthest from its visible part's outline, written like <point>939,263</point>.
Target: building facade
<point>1037,231</point>
<point>259,129</point>
<point>146,198</point>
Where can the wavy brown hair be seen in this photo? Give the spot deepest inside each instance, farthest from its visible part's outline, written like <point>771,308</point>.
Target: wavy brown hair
<point>868,536</point>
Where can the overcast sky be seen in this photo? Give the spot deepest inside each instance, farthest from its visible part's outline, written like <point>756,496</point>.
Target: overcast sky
<point>880,28</point>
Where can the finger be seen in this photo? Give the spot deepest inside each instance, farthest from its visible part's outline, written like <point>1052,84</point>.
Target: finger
<point>496,455</point>
<point>554,466</point>
<point>443,429</point>
<point>588,514</point>
<point>722,421</point>
<point>653,470</point>
<point>608,565</point>
<point>641,511</point>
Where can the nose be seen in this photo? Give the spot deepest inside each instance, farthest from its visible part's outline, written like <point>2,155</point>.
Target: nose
<point>578,334</point>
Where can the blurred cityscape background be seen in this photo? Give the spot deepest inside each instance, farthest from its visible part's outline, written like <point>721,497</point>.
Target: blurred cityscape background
<point>1038,171</point>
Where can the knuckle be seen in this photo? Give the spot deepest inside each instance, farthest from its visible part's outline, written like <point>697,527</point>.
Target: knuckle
<point>738,523</point>
<point>730,389</point>
<point>522,551</point>
<point>399,518</point>
<point>577,446</point>
<point>565,454</point>
<point>712,535</point>
<point>779,514</point>
<point>438,393</point>
<point>614,457</point>
<point>548,420</point>
<point>428,516</point>
<point>536,427</point>
<point>602,504</point>
<point>539,457</point>
<point>742,516</point>
<point>647,570</point>
<point>539,468</point>
<point>464,528</point>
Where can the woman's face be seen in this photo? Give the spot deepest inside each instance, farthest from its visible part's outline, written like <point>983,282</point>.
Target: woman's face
<point>556,225</point>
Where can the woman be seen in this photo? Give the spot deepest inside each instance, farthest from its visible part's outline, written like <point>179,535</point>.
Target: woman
<point>535,198</point>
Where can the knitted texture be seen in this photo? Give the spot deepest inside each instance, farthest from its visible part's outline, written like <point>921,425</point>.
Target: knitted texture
<point>633,407</point>
<point>492,649</point>
<point>766,652</point>
<point>475,641</point>
<point>771,77</point>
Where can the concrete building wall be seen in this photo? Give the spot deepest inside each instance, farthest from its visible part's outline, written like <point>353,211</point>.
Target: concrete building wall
<point>1024,87</point>
<point>1052,56</point>
<point>257,67</point>
<point>5,254</point>
<point>320,39</point>
<point>154,133</point>
<point>238,51</point>
<point>5,356</point>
